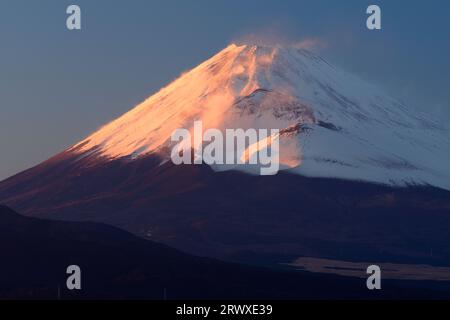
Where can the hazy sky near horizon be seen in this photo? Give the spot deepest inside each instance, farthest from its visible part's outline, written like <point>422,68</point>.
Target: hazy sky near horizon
<point>57,86</point>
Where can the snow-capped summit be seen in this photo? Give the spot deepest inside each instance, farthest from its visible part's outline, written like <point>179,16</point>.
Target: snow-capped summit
<point>333,123</point>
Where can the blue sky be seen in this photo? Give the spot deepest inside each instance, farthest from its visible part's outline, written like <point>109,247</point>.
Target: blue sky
<point>57,86</point>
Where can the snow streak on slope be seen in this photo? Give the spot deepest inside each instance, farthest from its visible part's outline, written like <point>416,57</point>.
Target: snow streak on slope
<point>332,123</point>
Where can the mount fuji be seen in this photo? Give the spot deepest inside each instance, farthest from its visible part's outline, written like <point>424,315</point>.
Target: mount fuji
<point>335,124</point>
<point>361,171</point>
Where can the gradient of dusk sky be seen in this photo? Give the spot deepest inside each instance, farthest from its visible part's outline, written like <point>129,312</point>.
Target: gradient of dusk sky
<point>57,86</point>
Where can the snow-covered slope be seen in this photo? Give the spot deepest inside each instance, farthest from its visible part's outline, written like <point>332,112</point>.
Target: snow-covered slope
<point>333,123</point>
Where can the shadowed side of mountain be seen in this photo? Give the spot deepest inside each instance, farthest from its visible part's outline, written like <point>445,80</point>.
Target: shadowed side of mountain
<point>233,215</point>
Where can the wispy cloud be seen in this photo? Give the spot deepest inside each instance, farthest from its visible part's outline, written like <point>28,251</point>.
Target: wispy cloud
<point>274,35</point>
<point>314,44</point>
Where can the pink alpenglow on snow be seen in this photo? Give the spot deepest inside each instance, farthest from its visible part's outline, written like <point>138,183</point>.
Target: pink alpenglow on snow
<point>330,122</point>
